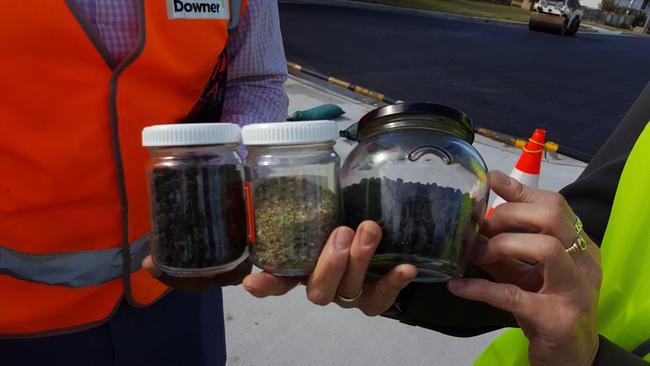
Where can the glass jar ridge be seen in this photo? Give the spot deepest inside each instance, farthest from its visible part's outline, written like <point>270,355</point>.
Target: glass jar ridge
<point>418,176</point>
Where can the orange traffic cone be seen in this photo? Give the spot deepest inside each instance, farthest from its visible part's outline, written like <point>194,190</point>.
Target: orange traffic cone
<point>528,166</point>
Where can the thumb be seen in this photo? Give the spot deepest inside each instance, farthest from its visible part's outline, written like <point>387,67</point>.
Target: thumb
<point>149,266</point>
<point>382,294</point>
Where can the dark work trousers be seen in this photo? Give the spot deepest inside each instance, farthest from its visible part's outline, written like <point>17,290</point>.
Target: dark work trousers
<point>178,330</point>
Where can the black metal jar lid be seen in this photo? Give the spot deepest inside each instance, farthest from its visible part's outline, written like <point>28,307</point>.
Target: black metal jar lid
<point>428,116</point>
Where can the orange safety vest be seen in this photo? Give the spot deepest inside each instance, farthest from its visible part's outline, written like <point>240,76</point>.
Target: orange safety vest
<point>74,211</point>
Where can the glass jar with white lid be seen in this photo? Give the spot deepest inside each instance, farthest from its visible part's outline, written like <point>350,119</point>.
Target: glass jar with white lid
<point>292,190</point>
<point>198,209</point>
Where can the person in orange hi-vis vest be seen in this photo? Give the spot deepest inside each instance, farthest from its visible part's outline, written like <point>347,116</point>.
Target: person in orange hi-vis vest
<point>80,80</point>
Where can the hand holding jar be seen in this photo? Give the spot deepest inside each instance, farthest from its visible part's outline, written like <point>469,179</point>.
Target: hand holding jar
<point>547,271</point>
<point>340,274</point>
<point>294,200</point>
<point>415,190</point>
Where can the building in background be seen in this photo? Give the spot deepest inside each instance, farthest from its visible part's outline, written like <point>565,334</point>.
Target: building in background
<point>640,5</point>
<point>637,5</point>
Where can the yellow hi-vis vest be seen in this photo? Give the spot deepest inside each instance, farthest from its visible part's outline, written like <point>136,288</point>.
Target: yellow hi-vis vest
<point>624,306</point>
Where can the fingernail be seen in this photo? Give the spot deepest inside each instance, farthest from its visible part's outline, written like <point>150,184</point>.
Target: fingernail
<point>150,266</point>
<point>457,283</point>
<point>369,236</point>
<point>247,287</point>
<point>406,276</point>
<point>342,240</point>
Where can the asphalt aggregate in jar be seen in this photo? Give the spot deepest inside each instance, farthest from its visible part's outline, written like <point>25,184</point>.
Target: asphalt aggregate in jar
<point>199,216</point>
<point>294,217</point>
<point>426,220</point>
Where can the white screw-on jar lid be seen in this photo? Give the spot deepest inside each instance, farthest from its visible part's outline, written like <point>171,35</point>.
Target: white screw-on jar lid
<point>188,134</point>
<point>289,133</point>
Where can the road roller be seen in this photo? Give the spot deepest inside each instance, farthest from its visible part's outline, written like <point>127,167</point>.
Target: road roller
<point>556,16</point>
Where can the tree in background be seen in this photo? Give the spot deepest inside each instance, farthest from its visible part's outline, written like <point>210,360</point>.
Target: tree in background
<point>608,5</point>
<point>640,19</point>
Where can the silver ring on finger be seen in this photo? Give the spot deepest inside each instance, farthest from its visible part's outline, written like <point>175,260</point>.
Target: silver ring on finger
<point>580,243</point>
<point>349,299</point>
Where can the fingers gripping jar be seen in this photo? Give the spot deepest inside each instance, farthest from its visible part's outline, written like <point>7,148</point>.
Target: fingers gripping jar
<point>416,173</point>
<point>292,190</point>
<point>196,181</point>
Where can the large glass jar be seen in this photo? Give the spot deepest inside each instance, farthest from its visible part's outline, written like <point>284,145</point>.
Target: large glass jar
<point>198,205</point>
<point>292,189</point>
<point>416,173</point>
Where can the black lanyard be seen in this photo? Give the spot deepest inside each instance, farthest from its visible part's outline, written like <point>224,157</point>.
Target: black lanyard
<point>209,107</point>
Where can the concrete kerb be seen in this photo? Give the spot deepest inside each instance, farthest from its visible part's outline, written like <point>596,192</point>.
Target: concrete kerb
<point>324,86</point>
<point>319,86</point>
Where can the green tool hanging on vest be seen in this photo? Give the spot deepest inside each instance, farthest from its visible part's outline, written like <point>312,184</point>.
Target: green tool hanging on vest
<point>323,112</point>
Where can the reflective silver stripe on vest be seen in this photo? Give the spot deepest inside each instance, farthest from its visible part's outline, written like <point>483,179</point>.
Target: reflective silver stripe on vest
<point>235,11</point>
<point>78,269</point>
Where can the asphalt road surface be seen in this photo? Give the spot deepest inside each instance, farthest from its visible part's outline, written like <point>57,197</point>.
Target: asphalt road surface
<point>508,79</point>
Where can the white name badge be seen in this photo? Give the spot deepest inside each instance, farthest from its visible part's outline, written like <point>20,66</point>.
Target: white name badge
<point>198,9</point>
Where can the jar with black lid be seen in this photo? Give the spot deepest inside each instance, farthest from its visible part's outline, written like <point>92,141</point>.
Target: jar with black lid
<point>198,206</point>
<point>416,173</point>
